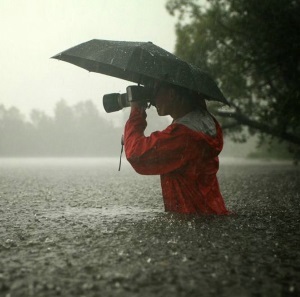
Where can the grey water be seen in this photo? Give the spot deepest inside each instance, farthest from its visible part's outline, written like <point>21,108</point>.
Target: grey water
<point>80,227</point>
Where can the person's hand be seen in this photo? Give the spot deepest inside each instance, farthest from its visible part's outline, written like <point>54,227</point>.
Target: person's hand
<point>138,104</point>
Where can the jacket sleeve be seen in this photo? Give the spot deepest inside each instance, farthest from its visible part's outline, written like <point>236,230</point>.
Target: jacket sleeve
<point>161,152</point>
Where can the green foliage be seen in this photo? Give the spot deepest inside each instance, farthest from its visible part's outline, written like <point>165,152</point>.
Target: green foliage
<point>252,49</point>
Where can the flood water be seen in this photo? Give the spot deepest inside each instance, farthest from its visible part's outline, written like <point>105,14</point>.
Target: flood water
<point>78,227</point>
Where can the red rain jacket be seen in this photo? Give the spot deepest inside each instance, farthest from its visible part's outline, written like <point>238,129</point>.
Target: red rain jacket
<point>186,160</point>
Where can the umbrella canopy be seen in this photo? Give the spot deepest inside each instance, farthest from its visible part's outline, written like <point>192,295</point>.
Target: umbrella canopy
<point>142,63</point>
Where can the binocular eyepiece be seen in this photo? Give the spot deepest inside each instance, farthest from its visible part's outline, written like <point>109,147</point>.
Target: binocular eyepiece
<point>116,101</point>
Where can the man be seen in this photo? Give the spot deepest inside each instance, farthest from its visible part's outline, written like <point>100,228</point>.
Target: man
<point>185,154</point>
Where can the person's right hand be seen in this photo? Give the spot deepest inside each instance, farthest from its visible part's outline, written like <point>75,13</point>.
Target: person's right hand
<point>138,104</point>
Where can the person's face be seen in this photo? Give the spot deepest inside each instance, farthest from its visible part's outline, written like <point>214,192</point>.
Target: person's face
<point>164,101</point>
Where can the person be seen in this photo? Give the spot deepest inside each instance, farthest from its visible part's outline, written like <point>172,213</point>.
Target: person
<point>185,154</point>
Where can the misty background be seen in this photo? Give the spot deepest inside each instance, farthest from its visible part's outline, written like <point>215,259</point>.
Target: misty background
<point>79,130</point>
<point>33,31</point>
<point>51,108</point>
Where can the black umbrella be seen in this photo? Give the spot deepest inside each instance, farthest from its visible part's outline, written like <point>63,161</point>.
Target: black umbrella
<point>142,63</point>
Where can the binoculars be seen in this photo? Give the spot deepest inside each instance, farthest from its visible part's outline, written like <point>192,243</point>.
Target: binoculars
<point>116,101</point>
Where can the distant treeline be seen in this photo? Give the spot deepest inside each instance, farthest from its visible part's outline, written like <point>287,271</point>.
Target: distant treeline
<point>73,131</point>
<point>81,130</point>
<point>78,130</point>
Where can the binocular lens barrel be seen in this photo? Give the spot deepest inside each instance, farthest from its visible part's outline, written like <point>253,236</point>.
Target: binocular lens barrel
<point>114,102</point>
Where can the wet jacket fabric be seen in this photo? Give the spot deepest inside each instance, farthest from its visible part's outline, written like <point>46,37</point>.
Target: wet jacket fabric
<point>185,155</point>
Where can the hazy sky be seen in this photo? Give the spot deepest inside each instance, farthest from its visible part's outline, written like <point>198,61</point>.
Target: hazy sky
<point>34,30</point>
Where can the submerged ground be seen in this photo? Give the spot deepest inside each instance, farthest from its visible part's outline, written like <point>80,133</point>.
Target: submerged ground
<point>80,228</point>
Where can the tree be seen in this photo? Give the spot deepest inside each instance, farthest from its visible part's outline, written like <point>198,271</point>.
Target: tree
<point>42,138</point>
<point>81,131</point>
<point>14,132</point>
<point>78,130</point>
<point>252,49</point>
<point>95,134</point>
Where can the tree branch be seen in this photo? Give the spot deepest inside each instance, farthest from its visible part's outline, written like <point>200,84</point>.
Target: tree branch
<point>230,126</point>
<point>243,120</point>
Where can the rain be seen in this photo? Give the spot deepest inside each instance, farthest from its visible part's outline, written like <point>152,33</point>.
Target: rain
<point>71,224</point>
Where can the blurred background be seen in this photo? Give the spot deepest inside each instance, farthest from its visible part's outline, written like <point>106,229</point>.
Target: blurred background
<point>50,108</point>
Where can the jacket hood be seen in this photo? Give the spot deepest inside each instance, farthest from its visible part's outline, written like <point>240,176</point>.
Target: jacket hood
<point>202,126</point>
